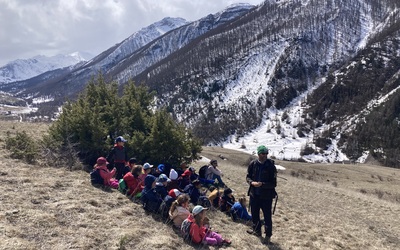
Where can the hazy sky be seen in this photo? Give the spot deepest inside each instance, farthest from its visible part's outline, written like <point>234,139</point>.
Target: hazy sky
<point>49,27</point>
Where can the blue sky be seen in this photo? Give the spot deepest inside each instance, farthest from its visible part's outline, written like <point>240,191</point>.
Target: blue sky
<point>50,27</point>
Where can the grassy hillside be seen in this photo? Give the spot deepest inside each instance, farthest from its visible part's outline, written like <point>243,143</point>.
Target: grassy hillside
<point>320,207</point>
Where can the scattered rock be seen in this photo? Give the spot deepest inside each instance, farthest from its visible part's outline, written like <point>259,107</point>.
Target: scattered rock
<point>35,201</point>
<point>15,211</point>
<point>222,157</point>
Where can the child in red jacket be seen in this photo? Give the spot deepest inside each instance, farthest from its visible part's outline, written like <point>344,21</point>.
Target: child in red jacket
<point>133,181</point>
<point>199,233</point>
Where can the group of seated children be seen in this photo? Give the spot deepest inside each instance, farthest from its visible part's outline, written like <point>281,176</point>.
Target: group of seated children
<point>169,192</point>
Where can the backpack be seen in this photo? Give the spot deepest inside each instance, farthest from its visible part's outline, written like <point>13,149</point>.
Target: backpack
<point>95,177</point>
<point>185,230</point>
<point>163,210</point>
<point>202,171</point>
<point>204,202</point>
<point>122,186</point>
<point>165,206</point>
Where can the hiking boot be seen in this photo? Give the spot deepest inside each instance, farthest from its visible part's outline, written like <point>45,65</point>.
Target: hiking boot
<point>252,232</point>
<point>226,242</point>
<point>267,240</point>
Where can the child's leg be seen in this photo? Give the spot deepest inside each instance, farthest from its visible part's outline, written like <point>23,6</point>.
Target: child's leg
<point>210,241</point>
<point>113,183</point>
<point>212,238</point>
<point>217,237</point>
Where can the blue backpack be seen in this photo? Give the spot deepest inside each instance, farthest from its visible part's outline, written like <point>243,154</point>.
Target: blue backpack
<point>185,230</point>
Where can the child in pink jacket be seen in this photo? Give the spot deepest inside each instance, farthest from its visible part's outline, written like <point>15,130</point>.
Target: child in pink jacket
<point>106,174</point>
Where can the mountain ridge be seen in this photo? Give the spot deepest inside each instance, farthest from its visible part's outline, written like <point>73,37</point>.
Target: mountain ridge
<point>22,69</point>
<point>291,69</point>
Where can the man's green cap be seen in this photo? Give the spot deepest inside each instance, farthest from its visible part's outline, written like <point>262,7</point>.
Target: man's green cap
<point>262,149</point>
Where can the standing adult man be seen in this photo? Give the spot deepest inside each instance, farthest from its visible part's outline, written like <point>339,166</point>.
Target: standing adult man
<point>261,177</point>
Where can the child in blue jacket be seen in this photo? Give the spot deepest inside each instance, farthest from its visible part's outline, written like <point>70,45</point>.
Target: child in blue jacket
<point>239,210</point>
<point>150,198</point>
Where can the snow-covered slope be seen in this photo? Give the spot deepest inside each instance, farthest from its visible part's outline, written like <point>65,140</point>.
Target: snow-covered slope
<point>173,41</point>
<point>257,70</point>
<point>137,40</point>
<point>132,56</point>
<point>22,69</point>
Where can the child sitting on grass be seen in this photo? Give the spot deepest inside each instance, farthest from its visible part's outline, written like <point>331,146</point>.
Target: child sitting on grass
<point>239,210</point>
<point>179,210</point>
<point>151,201</point>
<point>227,201</point>
<point>107,175</point>
<point>133,182</point>
<point>199,233</point>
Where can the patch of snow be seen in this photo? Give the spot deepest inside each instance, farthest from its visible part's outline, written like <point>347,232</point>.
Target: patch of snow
<point>363,158</point>
<point>42,99</point>
<point>279,167</point>
<point>204,159</point>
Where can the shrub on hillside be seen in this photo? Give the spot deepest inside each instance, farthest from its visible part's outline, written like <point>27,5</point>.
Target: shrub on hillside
<point>22,147</point>
<point>100,114</point>
<point>55,155</point>
<point>323,143</point>
<point>307,151</point>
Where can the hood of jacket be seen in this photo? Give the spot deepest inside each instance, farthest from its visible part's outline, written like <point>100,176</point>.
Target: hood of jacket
<point>148,181</point>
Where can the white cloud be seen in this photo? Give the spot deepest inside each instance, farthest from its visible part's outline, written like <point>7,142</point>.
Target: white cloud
<point>49,27</point>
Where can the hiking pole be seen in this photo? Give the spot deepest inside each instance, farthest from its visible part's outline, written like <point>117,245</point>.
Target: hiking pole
<point>276,201</point>
<point>282,178</point>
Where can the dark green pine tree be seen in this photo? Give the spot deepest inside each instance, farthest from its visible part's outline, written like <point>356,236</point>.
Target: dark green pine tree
<point>90,125</point>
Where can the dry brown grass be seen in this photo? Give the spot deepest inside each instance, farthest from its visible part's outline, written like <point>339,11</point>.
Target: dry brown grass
<point>323,208</point>
<point>48,208</point>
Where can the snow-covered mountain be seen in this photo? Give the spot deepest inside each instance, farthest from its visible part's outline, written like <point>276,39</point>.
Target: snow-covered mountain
<point>137,40</point>
<point>82,68</point>
<point>174,41</point>
<point>22,69</point>
<point>253,80</point>
<point>51,83</point>
<point>130,57</point>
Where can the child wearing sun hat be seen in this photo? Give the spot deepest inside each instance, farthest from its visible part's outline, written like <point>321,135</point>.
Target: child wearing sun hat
<point>199,233</point>
<point>108,176</point>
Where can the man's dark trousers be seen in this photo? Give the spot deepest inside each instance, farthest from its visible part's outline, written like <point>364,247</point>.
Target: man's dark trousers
<point>266,206</point>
